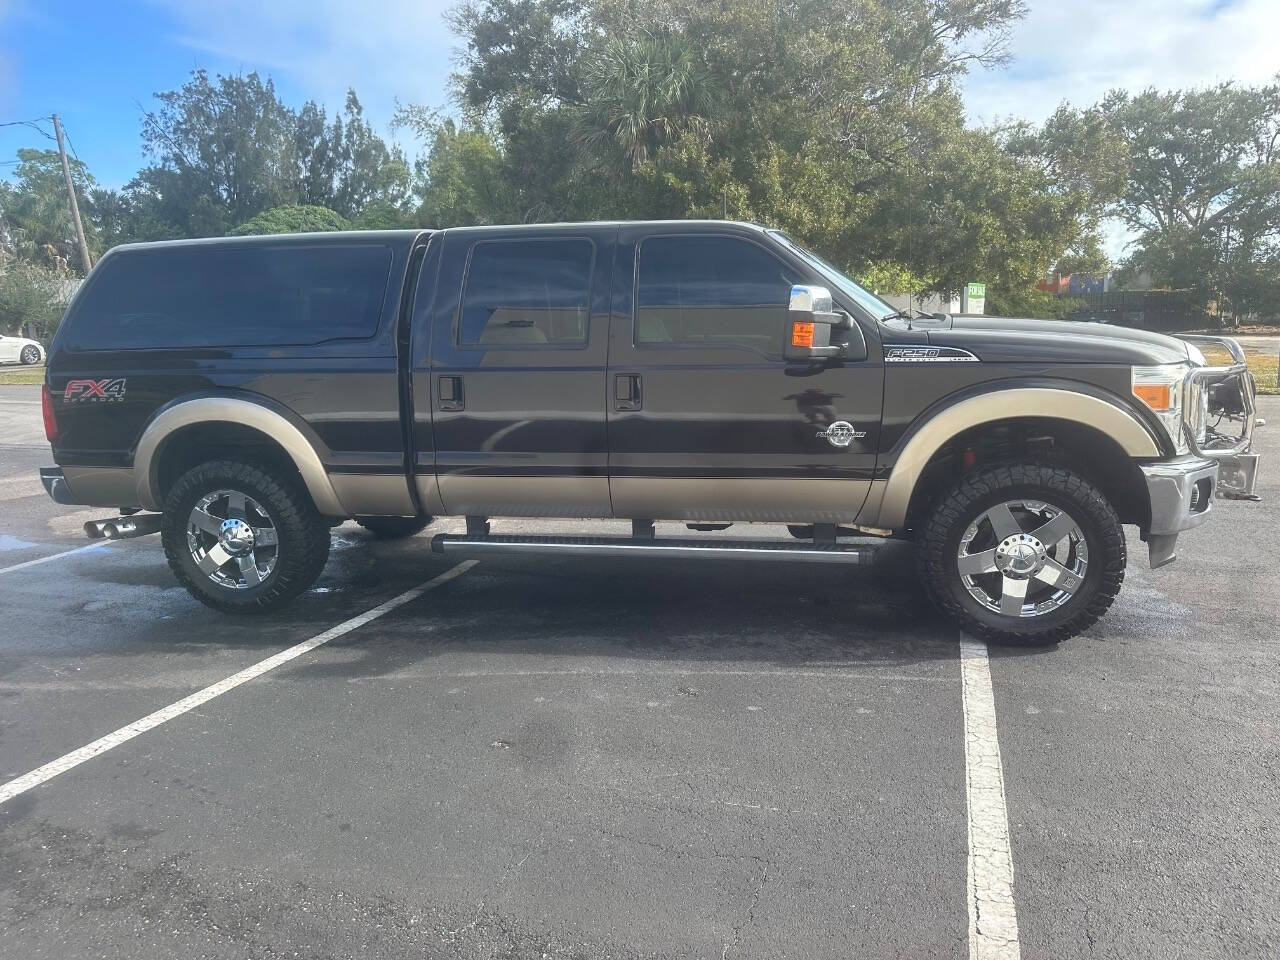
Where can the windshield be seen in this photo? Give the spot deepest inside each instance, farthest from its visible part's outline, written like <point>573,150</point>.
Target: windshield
<point>867,300</point>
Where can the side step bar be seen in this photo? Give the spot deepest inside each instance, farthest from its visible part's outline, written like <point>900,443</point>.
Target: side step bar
<point>674,548</point>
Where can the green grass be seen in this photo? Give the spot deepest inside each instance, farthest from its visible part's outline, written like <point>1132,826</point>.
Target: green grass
<point>1266,370</point>
<point>22,375</point>
<point>1261,365</point>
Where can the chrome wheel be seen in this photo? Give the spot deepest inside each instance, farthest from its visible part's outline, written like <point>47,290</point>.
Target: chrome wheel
<point>1023,558</point>
<point>232,539</point>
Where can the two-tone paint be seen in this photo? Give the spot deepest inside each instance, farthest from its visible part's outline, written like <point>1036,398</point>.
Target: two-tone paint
<point>410,421</point>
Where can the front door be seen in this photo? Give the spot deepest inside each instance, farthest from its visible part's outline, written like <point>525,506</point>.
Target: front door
<point>707,421</point>
<point>509,406</point>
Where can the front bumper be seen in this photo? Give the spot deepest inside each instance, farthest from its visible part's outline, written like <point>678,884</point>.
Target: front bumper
<point>1181,492</point>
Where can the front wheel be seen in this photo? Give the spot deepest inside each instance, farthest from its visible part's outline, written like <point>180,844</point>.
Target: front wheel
<point>1022,553</point>
<point>30,355</point>
<point>242,539</point>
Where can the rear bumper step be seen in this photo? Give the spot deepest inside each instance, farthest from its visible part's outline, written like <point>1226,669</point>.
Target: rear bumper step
<point>675,549</point>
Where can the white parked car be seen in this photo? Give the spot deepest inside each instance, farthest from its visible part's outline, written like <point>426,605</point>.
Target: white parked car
<point>20,350</point>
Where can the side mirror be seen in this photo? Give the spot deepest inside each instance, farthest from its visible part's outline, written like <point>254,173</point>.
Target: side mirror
<point>810,321</point>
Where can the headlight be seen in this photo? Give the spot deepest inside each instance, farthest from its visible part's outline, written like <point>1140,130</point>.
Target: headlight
<point>1162,390</point>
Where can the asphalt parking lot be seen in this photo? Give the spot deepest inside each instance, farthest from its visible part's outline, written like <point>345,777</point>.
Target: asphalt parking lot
<point>593,760</point>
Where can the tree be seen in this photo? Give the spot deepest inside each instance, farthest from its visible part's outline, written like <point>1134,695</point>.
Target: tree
<point>224,152</point>
<point>293,218</point>
<point>345,165</point>
<point>36,210</point>
<point>1204,190</point>
<point>32,297</point>
<point>461,179</point>
<point>644,92</point>
<point>839,121</point>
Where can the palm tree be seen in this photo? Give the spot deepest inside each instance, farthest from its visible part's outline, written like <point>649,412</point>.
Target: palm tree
<point>640,93</point>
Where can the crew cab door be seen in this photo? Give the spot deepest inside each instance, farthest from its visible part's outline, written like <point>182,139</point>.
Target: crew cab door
<point>509,373</point>
<point>707,420</point>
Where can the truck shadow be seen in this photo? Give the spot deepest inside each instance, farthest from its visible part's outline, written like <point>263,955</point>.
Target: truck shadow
<point>781,615</point>
<point>730,612</point>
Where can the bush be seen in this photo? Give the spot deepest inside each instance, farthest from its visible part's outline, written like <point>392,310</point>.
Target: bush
<point>292,218</point>
<point>1029,302</point>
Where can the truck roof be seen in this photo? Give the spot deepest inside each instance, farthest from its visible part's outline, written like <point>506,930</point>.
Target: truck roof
<point>407,236</point>
<point>402,236</point>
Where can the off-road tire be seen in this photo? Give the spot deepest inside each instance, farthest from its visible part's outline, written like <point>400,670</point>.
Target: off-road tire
<point>394,528</point>
<point>303,535</point>
<point>950,515</point>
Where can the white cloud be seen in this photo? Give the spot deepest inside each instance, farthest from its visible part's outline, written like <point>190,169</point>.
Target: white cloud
<point>1074,51</point>
<point>1078,51</point>
<point>386,50</point>
<point>8,61</point>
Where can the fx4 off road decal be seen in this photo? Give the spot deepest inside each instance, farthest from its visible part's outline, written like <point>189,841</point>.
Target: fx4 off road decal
<point>100,391</point>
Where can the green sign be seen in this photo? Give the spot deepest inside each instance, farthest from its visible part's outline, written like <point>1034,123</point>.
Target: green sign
<point>975,298</point>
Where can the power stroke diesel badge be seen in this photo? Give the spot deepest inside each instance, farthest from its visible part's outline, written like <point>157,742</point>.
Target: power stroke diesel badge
<point>841,434</point>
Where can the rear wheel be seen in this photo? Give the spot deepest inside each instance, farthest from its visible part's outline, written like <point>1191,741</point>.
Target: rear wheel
<point>393,528</point>
<point>1023,553</point>
<point>30,355</point>
<point>241,539</point>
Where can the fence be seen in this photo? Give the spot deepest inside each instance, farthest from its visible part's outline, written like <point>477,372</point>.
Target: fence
<point>1144,309</point>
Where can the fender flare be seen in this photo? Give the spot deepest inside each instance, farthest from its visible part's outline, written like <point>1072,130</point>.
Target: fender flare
<point>1049,403</point>
<point>186,413</point>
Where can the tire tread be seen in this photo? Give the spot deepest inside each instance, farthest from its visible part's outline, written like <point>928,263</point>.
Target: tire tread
<point>297,520</point>
<point>954,506</point>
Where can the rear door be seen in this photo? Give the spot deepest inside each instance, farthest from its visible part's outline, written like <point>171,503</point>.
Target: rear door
<point>509,373</point>
<point>707,421</point>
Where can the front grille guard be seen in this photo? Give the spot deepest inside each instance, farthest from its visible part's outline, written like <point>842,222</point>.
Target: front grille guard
<point>1237,465</point>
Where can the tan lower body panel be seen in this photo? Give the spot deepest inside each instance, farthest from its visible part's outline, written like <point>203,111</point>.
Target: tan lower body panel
<point>739,498</point>
<point>373,494</point>
<point>462,495</point>
<point>870,513</point>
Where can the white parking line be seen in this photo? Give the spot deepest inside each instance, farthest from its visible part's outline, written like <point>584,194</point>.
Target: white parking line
<point>54,556</point>
<point>76,757</point>
<point>993,921</point>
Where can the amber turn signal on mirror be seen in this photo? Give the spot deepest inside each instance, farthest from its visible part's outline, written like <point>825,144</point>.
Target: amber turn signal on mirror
<point>802,334</point>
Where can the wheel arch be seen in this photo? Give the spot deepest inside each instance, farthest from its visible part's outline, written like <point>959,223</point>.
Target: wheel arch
<point>186,418</point>
<point>1065,410</point>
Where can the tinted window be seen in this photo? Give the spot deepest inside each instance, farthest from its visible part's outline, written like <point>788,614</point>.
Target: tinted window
<point>210,296</point>
<point>526,293</point>
<point>709,291</point>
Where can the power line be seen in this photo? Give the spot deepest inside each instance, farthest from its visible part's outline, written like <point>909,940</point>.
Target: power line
<point>71,145</point>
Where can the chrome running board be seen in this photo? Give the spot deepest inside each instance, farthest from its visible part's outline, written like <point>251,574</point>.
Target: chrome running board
<point>675,549</point>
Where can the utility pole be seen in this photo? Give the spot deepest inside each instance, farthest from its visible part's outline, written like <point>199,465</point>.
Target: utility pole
<point>71,195</point>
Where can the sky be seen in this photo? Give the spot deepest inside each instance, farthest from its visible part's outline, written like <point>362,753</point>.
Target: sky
<point>97,64</point>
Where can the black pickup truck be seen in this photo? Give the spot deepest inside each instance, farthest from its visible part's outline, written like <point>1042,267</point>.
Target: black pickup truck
<point>242,396</point>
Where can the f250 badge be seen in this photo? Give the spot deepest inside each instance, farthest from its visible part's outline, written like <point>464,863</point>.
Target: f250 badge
<point>99,391</point>
<point>841,434</point>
